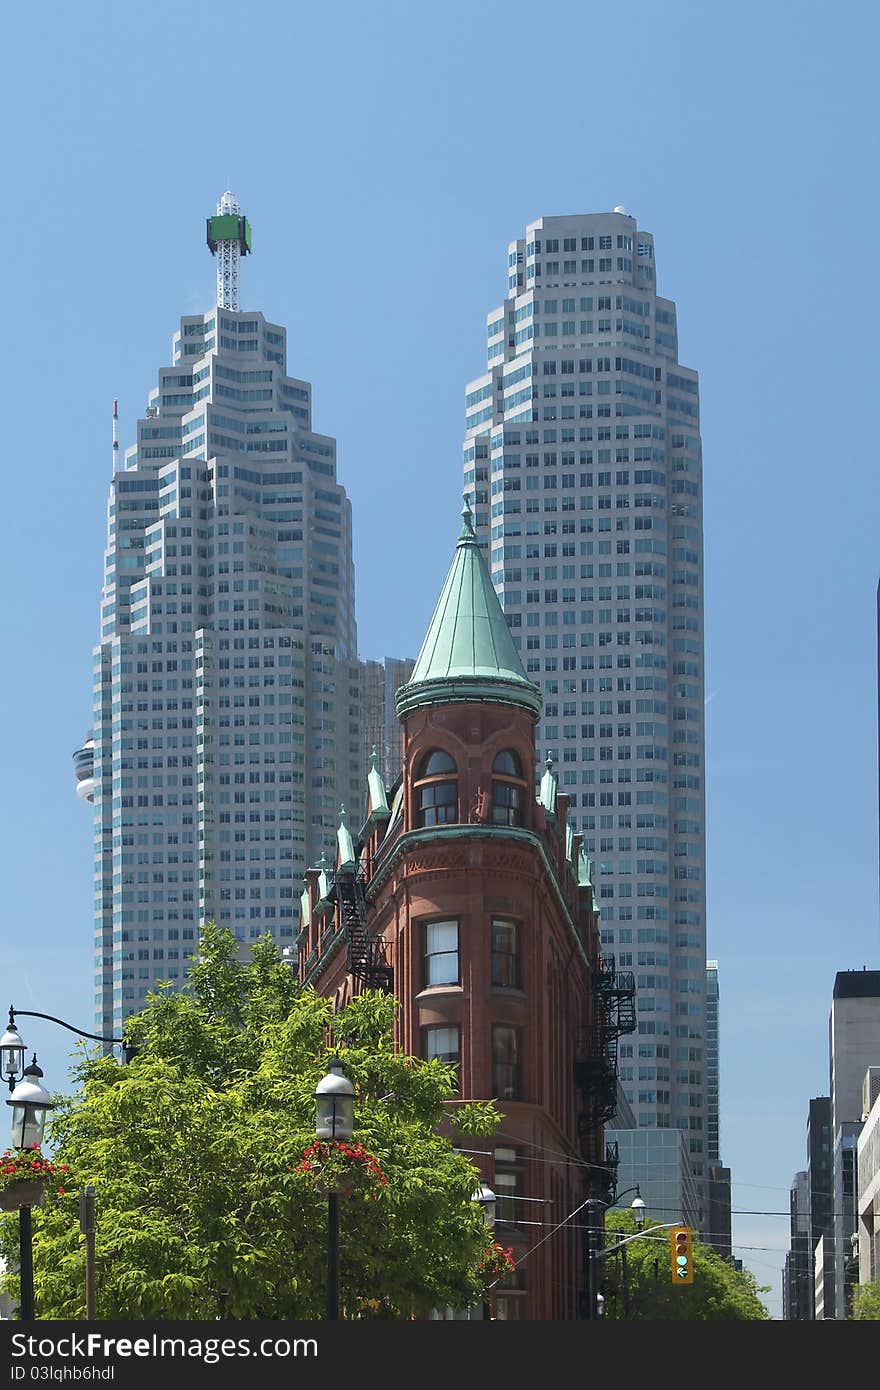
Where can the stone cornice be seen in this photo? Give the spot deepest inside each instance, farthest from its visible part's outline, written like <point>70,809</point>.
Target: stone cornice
<point>448,834</point>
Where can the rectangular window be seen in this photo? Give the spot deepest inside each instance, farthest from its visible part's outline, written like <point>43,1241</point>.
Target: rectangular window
<point>508,1186</point>
<point>441,953</point>
<point>505,1062</point>
<point>444,1043</point>
<point>505,954</point>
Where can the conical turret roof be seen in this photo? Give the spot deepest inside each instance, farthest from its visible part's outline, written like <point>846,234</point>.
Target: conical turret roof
<point>468,652</point>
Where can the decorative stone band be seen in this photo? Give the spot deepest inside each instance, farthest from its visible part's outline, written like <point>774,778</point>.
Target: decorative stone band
<point>468,690</point>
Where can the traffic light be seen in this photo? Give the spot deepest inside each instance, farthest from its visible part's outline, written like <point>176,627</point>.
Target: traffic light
<point>681,1255</point>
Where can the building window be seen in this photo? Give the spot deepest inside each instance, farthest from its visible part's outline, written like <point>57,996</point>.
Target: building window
<point>508,796</point>
<point>505,1062</point>
<point>509,1309</point>
<point>437,799</point>
<point>441,953</point>
<point>505,954</point>
<point>443,1043</point>
<point>508,1185</point>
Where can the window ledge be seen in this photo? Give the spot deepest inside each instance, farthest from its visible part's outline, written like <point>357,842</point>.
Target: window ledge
<point>438,992</point>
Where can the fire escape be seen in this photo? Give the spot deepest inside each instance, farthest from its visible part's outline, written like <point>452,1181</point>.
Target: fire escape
<point>367,960</point>
<point>614,1013</point>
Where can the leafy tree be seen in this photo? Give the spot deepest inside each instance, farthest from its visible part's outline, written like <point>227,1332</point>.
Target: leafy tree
<point>866,1302</point>
<point>718,1292</point>
<point>196,1148</point>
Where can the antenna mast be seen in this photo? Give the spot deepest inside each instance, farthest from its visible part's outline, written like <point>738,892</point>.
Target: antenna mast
<point>115,435</point>
<point>229,238</point>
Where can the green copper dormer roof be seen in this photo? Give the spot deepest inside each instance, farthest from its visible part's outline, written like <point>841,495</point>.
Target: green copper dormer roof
<point>468,652</point>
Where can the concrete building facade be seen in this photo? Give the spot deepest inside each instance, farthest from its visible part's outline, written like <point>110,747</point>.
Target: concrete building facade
<point>583,453</point>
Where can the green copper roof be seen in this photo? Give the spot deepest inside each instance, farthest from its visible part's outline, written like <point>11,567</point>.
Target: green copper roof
<point>468,652</point>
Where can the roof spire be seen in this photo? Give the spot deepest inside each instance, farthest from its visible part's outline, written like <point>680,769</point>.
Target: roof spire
<point>229,238</point>
<point>468,652</point>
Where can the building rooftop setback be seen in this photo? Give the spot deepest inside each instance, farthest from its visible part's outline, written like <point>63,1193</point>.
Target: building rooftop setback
<point>857,984</point>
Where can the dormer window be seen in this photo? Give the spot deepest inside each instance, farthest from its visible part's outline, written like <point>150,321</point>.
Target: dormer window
<point>436,793</point>
<point>508,789</point>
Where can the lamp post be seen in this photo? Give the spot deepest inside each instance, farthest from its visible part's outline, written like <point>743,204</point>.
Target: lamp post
<point>30,1103</point>
<point>596,1209</point>
<point>12,1049</point>
<point>487,1202</point>
<point>334,1120</point>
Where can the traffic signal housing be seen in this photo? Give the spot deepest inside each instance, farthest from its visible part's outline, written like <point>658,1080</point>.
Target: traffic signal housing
<point>681,1255</point>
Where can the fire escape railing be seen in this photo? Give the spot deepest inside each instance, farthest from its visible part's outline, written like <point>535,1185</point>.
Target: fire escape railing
<point>367,959</point>
<point>595,1067</point>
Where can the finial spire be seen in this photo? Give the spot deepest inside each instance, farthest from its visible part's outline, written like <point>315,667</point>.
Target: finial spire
<point>467,517</point>
<point>229,238</point>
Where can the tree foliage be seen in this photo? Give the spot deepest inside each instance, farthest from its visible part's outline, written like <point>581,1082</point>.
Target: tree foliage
<point>719,1292</point>
<point>866,1302</point>
<point>195,1149</point>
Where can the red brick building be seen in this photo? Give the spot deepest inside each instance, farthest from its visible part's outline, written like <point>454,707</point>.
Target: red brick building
<point>471,898</point>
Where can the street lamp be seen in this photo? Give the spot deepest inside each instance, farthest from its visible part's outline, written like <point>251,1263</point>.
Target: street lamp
<point>596,1208</point>
<point>487,1203</point>
<point>30,1103</point>
<point>334,1120</point>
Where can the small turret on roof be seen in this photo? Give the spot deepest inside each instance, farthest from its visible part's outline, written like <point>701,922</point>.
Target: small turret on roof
<point>346,859</point>
<point>377,796</point>
<point>323,880</point>
<point>549,784</point>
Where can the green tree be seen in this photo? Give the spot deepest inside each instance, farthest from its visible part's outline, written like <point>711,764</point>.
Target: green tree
<point>195,1150</point>
<point>866,1302</point>
<point>719,1292</point>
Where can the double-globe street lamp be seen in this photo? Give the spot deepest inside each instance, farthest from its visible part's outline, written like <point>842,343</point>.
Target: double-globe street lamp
<point>596,1209</point>
<point>31,1104</point>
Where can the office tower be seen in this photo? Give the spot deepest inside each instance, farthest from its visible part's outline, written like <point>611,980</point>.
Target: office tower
<point>819,1168</point>
<point>854,1043</point>
<point>382,730</point>
<point>854,1040</point>
<point>713,1149</point>
<point>797,1288</point>
<point>226,690</point>
<point>582,453</point>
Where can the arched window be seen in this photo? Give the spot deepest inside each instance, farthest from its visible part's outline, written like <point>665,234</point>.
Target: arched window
<point>436,795</point>
<point>508,795</point>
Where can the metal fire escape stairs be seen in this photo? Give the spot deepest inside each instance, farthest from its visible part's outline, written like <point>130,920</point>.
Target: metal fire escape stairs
<point>367,960</point>
<point>614,1014</point>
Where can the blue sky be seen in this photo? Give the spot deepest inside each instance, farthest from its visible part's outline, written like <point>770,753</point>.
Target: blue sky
<point>386,155</point>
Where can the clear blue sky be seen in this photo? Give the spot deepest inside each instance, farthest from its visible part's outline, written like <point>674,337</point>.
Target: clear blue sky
<point>385,155</point>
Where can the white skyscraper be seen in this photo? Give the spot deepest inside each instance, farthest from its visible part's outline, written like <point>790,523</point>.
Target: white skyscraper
<point>226,685</point>
<point>583,455</point>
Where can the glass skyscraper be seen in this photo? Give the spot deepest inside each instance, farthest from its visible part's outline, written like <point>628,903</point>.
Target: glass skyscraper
<point>582,454</point>
<point>226,685</point>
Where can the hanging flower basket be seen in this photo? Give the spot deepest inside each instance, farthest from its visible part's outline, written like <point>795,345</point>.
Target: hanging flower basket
<point>29,1192</point>
<point>25,1177</point>
<point>342,1167</point>
<point>496,1262</point>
